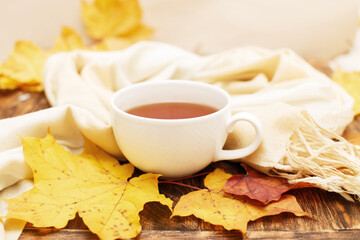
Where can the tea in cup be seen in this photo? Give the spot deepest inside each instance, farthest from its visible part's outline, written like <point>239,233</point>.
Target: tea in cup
<point>176,127</point>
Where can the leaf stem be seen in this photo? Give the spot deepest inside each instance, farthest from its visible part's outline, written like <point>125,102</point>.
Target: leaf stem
<point>187,177</point>
<point>181,184</point>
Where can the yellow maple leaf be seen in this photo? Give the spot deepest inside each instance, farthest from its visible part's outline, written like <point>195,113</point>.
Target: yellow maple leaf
<point>111,18</point>
<point>68,40</point>
<point>92,184</point>
<point>7,83</point>
<point>24,66</point>
<point>218,208</point>
<point>350,81</point>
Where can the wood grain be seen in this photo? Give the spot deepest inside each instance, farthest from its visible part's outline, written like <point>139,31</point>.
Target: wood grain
<point>76,234</point>
<point>15,103</point>
<point>334,217</point>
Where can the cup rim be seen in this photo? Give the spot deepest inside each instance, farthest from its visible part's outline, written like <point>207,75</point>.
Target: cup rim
<point>169,121</point>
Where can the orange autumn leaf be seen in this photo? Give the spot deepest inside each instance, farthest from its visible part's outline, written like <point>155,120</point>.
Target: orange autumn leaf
<point>92,184</point>
<point>233,213</point>
<point>258,186</point>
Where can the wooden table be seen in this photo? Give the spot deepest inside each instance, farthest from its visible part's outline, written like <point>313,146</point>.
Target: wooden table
<point>336,218</point>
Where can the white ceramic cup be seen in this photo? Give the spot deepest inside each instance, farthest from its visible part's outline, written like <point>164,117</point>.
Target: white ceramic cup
<point>177,147</point>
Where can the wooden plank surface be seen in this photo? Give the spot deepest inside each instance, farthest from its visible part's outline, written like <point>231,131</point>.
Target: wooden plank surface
<point>334,217</point>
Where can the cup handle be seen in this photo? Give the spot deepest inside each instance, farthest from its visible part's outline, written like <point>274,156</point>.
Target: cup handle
<point>242,152</point>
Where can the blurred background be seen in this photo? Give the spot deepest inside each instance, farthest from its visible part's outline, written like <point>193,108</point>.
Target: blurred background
<point>315,29</point>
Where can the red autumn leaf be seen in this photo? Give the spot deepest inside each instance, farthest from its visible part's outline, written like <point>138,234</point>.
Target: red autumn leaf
<point>258,186</point>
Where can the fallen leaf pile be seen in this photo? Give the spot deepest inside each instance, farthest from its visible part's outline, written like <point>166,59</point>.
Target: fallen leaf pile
<point>97,188</point>
<point>219,208</point>
<point>92,184</point>
<point>350,81</point>
<point>112,24</point>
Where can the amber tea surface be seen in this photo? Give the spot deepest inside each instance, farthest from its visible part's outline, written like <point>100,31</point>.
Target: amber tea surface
<point>172,110</point>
